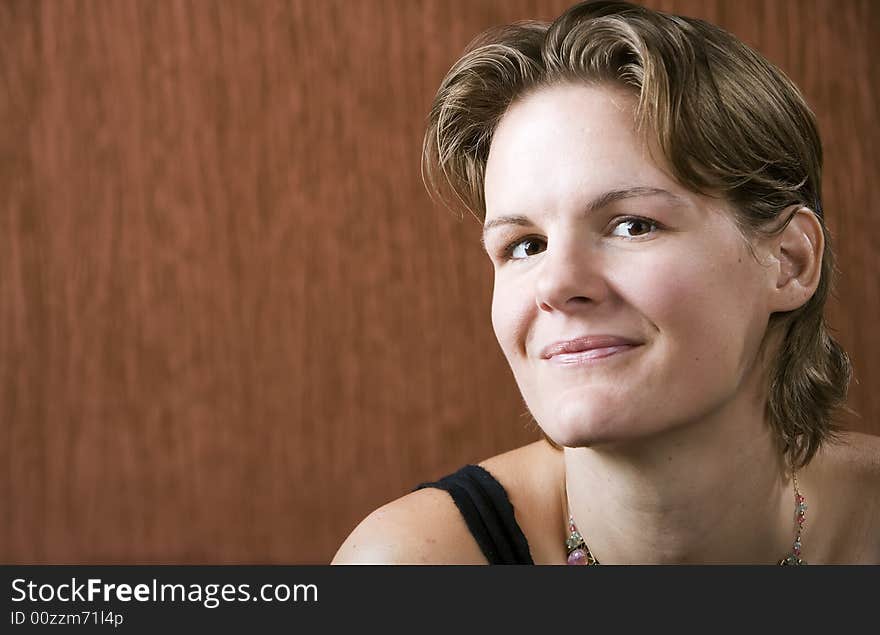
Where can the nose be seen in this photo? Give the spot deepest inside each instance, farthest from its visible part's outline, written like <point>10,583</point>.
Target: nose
<point>571,274</point>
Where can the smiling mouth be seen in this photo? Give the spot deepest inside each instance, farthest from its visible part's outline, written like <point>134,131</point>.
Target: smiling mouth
<point>591,356</point>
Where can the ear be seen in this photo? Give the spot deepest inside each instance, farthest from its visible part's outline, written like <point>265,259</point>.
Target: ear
<point>796,258</point>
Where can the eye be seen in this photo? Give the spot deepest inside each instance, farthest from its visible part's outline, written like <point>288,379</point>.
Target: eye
<point>634,227</point>
<point>522,248</point>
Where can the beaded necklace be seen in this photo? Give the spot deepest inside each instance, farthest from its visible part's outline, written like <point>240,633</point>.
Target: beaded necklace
<point>579,553</point>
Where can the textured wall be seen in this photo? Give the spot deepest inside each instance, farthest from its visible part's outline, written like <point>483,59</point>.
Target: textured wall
<point>231,323</point>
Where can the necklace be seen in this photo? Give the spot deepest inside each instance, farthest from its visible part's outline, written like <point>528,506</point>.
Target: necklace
<point>579,553</point>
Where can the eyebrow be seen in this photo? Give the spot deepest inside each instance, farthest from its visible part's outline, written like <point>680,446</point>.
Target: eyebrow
<point>603,200</point>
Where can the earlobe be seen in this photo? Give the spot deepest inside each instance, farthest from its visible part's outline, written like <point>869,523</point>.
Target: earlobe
<point>798,251</point>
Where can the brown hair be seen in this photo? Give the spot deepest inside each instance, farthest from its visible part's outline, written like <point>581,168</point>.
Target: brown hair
<point>726,120</point>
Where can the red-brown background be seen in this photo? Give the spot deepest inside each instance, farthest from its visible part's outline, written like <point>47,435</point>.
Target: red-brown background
<point>231,323</point>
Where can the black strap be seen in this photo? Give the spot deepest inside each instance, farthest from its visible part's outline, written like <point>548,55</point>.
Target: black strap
<point>482,501</point>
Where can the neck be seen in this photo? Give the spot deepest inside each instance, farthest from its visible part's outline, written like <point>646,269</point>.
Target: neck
<point>712,491</point>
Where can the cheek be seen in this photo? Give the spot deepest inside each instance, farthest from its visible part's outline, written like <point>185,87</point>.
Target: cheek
<point>509,320</point>
<point>671,296</point>
<point>707,305</point>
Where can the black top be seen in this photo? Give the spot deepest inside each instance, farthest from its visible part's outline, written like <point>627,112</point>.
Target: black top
<point>482,501</point>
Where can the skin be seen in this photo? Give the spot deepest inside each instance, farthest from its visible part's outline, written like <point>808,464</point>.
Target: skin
<point>667,456</point>
<point>669,421</point>
<point>688,292</point>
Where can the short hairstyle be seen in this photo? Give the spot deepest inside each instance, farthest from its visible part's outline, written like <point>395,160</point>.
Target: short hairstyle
<point>728,123</point>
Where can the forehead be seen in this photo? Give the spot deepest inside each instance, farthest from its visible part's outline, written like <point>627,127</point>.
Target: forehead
<point>566,142</point>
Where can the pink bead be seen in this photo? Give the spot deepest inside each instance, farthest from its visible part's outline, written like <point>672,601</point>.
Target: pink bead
<point>577,557</point>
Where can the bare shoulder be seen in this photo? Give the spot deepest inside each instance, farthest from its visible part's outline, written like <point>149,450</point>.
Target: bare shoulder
<point>426,527</point>
<point>854,455</point>
<point>848,510</point>
<point>529,470</point>
<point>533,478</point>
<point>423,527</point>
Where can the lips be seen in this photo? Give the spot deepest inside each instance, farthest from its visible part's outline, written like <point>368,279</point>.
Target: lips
<point>597,343</point>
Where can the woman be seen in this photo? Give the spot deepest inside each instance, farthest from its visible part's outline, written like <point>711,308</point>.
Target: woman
<point>650,192</point>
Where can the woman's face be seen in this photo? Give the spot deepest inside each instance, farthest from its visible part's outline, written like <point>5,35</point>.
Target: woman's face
<point>590,237</point>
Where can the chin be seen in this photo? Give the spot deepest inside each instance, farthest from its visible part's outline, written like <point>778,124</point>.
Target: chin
<point>580,426</point>
<point>579,436</point>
